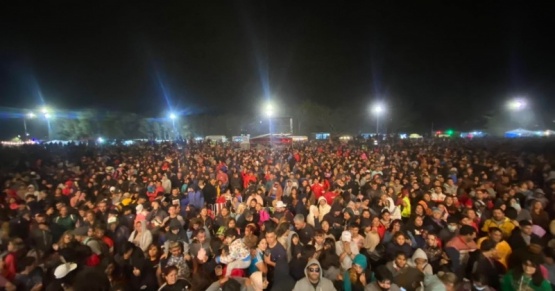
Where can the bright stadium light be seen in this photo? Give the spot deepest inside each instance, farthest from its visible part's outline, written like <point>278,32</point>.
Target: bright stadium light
<point>378,109</point>
<point>47,115</point>
<point>517,104</point>
<point>269,109</point>
<point>173,116</point>
<point>31,115</point>
<point>44,110</point>
<point>100,140</point>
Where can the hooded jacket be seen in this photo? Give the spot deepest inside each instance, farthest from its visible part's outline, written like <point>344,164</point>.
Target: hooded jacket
<point>146,237</point>
<point>305,284</point>
<point>420,254</point>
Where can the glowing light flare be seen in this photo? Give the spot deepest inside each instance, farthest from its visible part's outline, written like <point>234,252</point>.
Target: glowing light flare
<point>517,104</point>
<point>172,116</point>
<point>378,109</point>
<point>269,109</point>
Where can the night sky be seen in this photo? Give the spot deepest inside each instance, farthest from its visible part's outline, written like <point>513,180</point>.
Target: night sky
<point>202,56</point>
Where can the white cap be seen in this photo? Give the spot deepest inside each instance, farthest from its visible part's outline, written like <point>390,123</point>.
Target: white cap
<point>112,189</point>
<point>280,204</point>
<point>112,219</point>
<point>139,208</point>
<point>64,269</point>
<point>346,236</point>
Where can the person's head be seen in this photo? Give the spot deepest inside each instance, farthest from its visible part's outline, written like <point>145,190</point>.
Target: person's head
<point>498,214</point>
<point>127,250</point>
<point>299,221</point>
<point>468,233</point>
<point>176,248</point>
<point>525,227</point>
<point>170,275</point>
<point>395,226</point>
<point>231,223</point>
<point>99,232</point>
<point>319,237</point>
<point>479,281</point>
<point>201,235</point>
<point>262,245</point>
<point>495,234</point>
<point>488,248</point>
<point>399,238</point>
<point>294,239</point>
<point>313,272</point>
<point>153,251</point>
<point>448,279</point>
<point>224,211</point>
<point>400,260</point>
<point>15,244</point>
<point>325,225</point>
<point>431,240</point>
<point>271,237</point>
<point>384,277</point>
<point>138,226</point>
<point>418,221</point>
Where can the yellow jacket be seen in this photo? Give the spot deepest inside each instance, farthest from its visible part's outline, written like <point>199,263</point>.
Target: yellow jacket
<point>506,226</point>
<point>503,250</point>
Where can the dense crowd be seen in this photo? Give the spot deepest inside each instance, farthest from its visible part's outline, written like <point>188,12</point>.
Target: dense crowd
<point>404,215</point>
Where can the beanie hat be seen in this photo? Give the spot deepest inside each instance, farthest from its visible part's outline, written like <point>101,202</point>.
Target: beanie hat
<point>360,260</point>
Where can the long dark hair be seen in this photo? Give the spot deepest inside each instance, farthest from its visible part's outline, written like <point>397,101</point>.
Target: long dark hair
<point>537,277</point>
<point>329,258</point>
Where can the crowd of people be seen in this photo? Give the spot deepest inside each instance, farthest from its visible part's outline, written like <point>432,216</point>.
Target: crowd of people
<point>405,215</point>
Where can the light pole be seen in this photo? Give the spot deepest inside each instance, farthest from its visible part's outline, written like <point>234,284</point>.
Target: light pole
<point>378,109</point>
<point>30,115</point>
<point>48,116</point>
<point>173,117</point>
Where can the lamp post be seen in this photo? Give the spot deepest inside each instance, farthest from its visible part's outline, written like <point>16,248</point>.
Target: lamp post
<point>172,116</point>
<point>29,115</point>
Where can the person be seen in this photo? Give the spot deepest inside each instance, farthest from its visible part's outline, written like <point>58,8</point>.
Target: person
<point>442,281</point>
<point>172,281</point>
<point>304,230</point>
<point>383,282</point>
<point>487,264</point>
<point>459,250</point>
<point>523,236</point>
<point>237,255</point>
<point>178,258</point>
<point>500,221</point>
<point>478,282</point>
<point>502,247</point>
<point>314,279</point>
<point>141,236</point>
<point>419,260</point>
<point>355,278</point>
<point>346,250</point>
<point>527,274</point>
<point>275,253</point>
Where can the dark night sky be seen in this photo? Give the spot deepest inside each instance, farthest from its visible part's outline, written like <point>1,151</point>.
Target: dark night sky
<point>211,55</point>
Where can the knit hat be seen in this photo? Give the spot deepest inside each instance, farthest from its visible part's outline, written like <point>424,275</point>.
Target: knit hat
<point>360,260</point>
